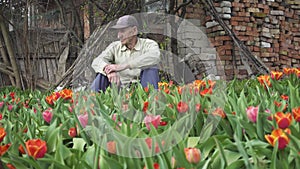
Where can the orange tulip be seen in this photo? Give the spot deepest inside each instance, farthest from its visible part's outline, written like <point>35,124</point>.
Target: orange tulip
<point>66,94</point>
<point>264,80</point>
<point>280,136</point>
<point>36,148</point>
<point>297,72</point>
<point>4,148</point>
<point>276,75</point>
<point>193,155</point>
<point>283,120</point>
<point>219,112</point>
<point>206,91</point>
<point>288,71</point>
<point>2,134</point>
<point>296,113</point>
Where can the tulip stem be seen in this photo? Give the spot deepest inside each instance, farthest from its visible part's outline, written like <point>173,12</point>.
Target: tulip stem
<point>96,160</point>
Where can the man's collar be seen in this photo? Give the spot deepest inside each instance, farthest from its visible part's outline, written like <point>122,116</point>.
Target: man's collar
<point>136,47</point>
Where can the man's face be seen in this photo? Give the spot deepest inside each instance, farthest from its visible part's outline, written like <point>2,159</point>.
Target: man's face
<point>126,34</point>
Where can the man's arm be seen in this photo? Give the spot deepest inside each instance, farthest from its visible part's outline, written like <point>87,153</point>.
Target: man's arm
<point>104,59</point>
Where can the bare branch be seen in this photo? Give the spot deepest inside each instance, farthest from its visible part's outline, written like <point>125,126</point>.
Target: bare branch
<point>99,7</point>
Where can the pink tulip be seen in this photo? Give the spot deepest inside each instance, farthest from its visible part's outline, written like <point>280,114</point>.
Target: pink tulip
<point>151,119</point>
<point>1,104</point>
<point>83,119</point>
<point>252,113</point>
<point>10,107</point>
<point>47,115</point>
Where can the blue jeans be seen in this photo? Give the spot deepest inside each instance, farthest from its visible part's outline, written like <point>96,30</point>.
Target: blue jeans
<point>148,76</point>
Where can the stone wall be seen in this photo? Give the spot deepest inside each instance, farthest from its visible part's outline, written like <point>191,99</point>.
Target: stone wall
<point>269,28</point>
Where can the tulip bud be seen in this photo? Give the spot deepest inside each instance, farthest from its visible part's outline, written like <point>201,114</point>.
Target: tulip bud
<point>193,155</point>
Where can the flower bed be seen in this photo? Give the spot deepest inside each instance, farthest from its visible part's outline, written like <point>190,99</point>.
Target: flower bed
<point>205,124</point>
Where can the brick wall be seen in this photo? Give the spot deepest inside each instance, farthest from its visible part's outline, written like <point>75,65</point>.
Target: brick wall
<point>269,28</point>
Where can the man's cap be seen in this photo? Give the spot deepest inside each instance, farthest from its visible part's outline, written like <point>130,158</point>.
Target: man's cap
<point>125,21</point>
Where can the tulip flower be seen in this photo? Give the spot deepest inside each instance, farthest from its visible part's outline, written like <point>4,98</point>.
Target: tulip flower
<point>2,134</point>
<point>10,107</point>
<point>1,104</point>
<point>151,119</point>
<point>149,143</point>
<point>155,166</point>
<point>219,112</point>
<point>47,115</point>
<point>182,107</point>
<point>111,147</point>
<point>145,107</point>
<point>193,155</point>
<point>10,166</point>
<point>21,149</point>
<point>83,119</point>
<point>276,75</point>
<point>264,80</point>
<point>66,94</point>
<point>283,120</point>
<point>252,113</point>
<point>197,107</point>
<point>288,71</point>
<point>280,136</point>
<point>296,113</point>
<point>1,116</point>
<point>4,148</point>
<point>72,132</point>
<point>36,148</point>
<point>206,91</point>
<point>297,72</point>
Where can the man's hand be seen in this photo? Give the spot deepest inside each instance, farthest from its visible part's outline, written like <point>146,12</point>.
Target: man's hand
<point>114,78</point>
<point>115,68</point>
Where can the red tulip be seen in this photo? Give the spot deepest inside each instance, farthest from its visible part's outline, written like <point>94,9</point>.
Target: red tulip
<point>1,117</point>
<point>296,113</point>
<point>21,149</point>
<point>10,166</point>
<point>283,120</point>
<point>280,136</point>
<point>145,107</point>
<point>2,134</point>
<point>72,132</point>
<point>151,119</point>
<point>252,113</point>
<point>47,115</point>
<point>206,91</point>
<point>155,166</point>
<point>36,148</point>
<point>182,107</point>
<point>193,155</point>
